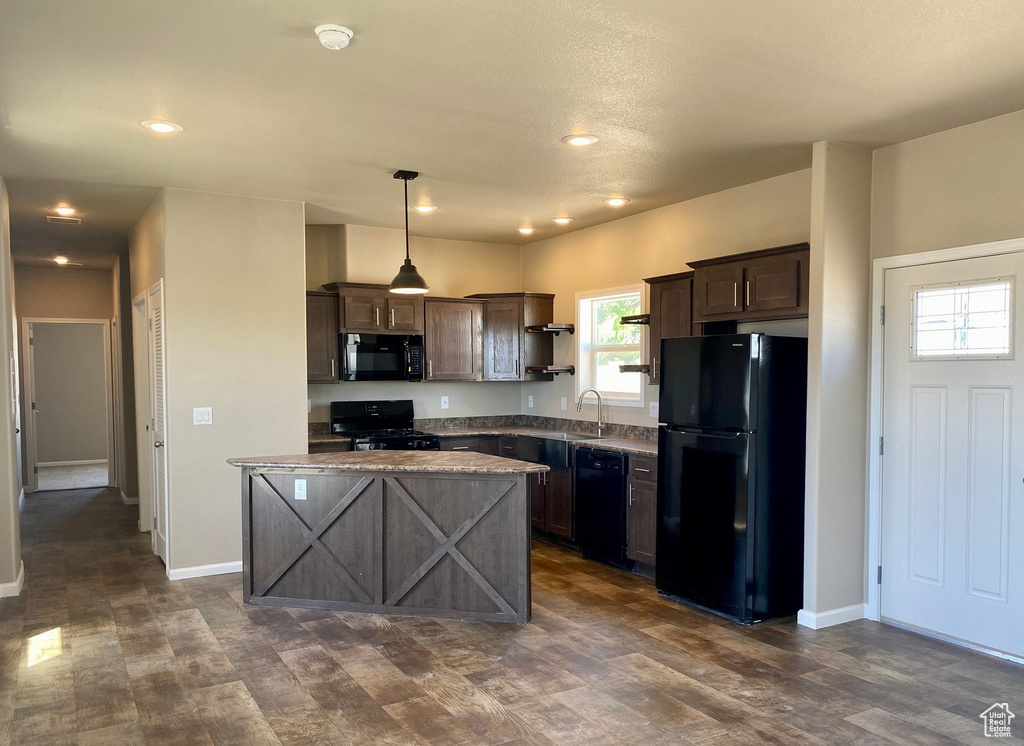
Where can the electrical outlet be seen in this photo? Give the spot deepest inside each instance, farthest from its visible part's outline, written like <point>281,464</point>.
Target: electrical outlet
<point>300,489</point>
<point>444,402</point>
<point>654,409</point>
<point>529,401</point>
<point>564,404</point>
<point>202,415</point>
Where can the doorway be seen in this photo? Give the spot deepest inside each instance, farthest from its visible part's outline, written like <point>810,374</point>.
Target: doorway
<point>69,440</point>
<point>949,536</point>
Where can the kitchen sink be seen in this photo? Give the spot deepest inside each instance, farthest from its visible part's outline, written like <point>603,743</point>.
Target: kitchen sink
<point>552,449</point>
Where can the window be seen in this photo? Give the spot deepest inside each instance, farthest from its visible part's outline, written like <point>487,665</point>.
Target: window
<point>605,344</point>
<point>965,320</point>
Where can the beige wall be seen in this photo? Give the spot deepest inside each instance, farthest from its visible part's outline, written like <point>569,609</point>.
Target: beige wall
<point>121,338</point>
<point>10,488</point>
<point>62,293</point>
<point>837,383</point>
<point>954,188</point>
<point>767,213</point>
<point>146,247</point>
<point>235,329</point>
<point>70,369</point>
<point>451,268</point>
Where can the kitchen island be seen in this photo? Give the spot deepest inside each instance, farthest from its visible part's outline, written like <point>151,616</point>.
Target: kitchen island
<point>436,534</point>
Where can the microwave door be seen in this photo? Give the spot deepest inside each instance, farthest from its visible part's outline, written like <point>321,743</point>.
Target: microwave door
<point>369,357</point>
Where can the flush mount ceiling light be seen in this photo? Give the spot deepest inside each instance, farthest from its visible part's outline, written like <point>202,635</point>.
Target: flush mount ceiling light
<point>425,208</point>
<point>408,281</point>
<point>526,231</point>
<point>158,125</point>
<point>561,221</point>
<point>60,259</point>
<point>333,37</point>
<point>64,211</point>
<point>615,201</point>
<point>579,141</point>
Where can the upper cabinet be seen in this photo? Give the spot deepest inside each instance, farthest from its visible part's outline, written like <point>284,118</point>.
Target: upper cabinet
<point>768,284</point>
<point>508,349</point>
<point>321,337</point>
<point>453,339</point>
<point>670,315</point>
<point>373,309</point>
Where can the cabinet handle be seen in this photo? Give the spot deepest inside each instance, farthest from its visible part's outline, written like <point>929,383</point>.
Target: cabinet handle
<point>645,471</point>
<point>460,448</point>
<point>517,368</point>
<point>630,494</point>
<point>654,367</point>
<point>735,294</point>
<point>332,367</point>
<point>748,293</point>
<point>392,318</point>
<point>376,317</point>
<point>430,369</point>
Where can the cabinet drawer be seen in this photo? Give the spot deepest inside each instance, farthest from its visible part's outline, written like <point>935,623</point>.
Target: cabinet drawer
<point>468,443</point>
<point>643,468</point>
<point>343,445</point>
<point>507,446</point>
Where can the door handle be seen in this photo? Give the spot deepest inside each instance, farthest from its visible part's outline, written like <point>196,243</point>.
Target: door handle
<point>158,444</point>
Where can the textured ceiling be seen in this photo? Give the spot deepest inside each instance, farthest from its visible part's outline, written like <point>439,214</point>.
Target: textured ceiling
<point>687,97</point>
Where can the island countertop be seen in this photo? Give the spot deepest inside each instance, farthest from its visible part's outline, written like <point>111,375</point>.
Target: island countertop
<point>447,462</point>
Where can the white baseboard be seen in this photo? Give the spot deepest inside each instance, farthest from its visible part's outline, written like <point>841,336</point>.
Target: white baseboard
<point>129,500</point>
<point>87,462</point>
<point>21,500</point>
<point>13,589</point>
<point>202,571</point>
<point>832,617</point>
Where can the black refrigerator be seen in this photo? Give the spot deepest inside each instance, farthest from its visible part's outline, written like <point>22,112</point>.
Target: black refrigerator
<point>731,473</point>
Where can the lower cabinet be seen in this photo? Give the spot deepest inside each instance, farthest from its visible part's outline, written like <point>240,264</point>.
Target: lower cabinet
<point>507,446</point>
<point>343,444</point>
<point>477,443</point>
<point>643,509</point>
<point>551,501</point>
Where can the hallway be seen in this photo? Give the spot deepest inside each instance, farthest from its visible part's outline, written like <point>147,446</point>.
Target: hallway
<point>101,648</point>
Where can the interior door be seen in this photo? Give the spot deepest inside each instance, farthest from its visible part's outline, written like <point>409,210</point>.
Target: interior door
<point>952,537</point>
<point>158,399</point>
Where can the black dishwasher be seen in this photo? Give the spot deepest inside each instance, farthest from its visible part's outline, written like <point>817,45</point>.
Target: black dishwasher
<point>601,506</point>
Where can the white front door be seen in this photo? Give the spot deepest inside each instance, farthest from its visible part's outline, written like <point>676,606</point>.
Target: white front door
<point>952,548</point>
<point>158,400</point>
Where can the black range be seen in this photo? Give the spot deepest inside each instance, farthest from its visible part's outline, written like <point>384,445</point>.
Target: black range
<point>380,426</point>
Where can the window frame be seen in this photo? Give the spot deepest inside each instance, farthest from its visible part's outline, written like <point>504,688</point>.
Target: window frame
<point>586,353</point>
<point>1011,280</point>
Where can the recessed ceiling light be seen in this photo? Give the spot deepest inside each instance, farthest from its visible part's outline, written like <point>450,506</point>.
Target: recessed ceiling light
<point>579,140</point>
<point>161,126</point>
<point>60,259</point>
<point>561,221</point>
<point>525,231</point>
<point>425,208</point>
<point>616,201</point>
<point>65,211</point>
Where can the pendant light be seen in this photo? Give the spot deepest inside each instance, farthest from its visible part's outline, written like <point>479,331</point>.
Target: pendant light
<point>408,281</point>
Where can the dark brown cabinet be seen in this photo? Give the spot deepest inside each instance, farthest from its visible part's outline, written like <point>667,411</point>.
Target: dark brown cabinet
<point>508,349</point>
<point>453,339</point>
<point>643,509</point>
<point>321,337</point>
<point>768,284</point>
<point>670,316</point>
<point>342,445</point>
<point>477,443</point>
<point>551,501</point>
<point>507,446</point>
<point>372,308</point>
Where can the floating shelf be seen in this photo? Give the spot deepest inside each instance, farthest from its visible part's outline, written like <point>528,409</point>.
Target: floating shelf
<point>556,369</point>
<point>551,329</point>
<point>635,368</point>
<point>640,318</point>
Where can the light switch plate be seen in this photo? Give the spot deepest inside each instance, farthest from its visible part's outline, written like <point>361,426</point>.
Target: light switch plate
<point>444,402</point>
<point>654,409</point>
<point>529,401</point>
<point>202,415</point>
<point>300,489</point>
<point>564,405</point>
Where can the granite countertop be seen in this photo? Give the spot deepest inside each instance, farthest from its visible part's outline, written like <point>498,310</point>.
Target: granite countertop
<point>450,462</point>
<point>622,445</point>
<point>327,439</point>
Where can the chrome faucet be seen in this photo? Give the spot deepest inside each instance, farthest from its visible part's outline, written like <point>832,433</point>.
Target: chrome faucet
<point>579,407</point>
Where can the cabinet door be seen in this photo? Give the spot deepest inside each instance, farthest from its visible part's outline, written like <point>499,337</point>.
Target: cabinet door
<point>503,340</point>
<point>538,502</point>
<point>363,313</point>
<point>453,340</point>
<point>717,291</point>
<point>773,285</point>
<point>488,444</point>
<point>671,316</point>
<point>321,338</point>
<point>559,501</point>
<point>508,446</point>
<point>405,315</point>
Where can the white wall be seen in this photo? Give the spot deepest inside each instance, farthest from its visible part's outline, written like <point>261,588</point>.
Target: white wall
<point>772,212</point>
<point>10,483</point>
<point>837,382</point>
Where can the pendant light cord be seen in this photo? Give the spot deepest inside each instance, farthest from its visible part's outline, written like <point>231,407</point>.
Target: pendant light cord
<point>406,183</point>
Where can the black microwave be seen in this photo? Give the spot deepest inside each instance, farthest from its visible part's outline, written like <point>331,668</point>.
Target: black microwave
<point>381,357</point>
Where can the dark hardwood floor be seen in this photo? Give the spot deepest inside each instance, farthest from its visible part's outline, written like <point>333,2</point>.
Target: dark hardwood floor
<point>101,648</point>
